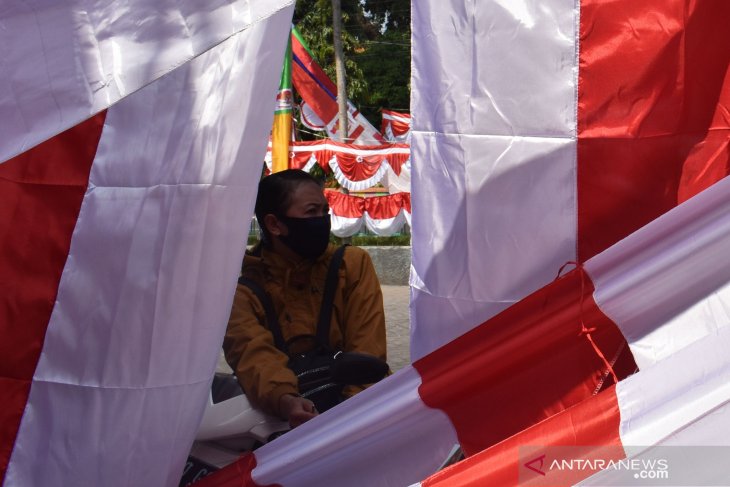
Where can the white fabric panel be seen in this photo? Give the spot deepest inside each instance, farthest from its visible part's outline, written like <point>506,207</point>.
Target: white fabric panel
<point>384,436</point>
<point>64,61</point>
<point>493,220</point>
<point>493,150</point>
<point>344,226</point>
<point>386,226</point>
<point>663,398</point>
<point>499,67</point>
<point>437,320</point>
<point>147,289</point>
<point>674,270</point>
<point>75,445</point>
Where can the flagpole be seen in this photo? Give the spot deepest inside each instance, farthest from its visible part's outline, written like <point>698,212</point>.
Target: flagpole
<point>281,130</point>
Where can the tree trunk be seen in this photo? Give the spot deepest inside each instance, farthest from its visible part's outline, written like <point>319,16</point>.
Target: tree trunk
<point>340,70</point>
<point>341,86</point>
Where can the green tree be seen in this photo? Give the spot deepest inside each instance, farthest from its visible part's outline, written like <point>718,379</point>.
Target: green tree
<point>386,64</point>
<point>376,41</point>
<point>313,18</point>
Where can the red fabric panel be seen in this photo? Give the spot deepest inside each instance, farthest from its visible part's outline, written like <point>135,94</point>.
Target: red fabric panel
<point>653,111</point>
<point>305,150</point>
<point>523,365</point>
<point>297,160</point>
<point>399,128</point>
<point>358,168</point>
<point>396,161</point>
<point>384,207</point>
<point>323,157</point>
<point>378,207</point>
<point>237,474</point>
<point>397,122</point>
<point>345,205</point>
<point>593,422</point>
<point>41,192</point>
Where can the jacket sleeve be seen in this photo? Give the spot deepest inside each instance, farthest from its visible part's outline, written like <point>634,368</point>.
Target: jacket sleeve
<point>250,351</point>
<point>364,313</point>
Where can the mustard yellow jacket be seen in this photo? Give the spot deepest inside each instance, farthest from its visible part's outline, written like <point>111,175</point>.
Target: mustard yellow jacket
<point>358,320</point>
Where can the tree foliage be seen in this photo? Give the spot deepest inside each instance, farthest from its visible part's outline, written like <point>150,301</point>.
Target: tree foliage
<point>376,41</point>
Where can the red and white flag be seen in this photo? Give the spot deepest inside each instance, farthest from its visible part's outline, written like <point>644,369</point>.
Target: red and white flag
<point>651,285</point>
<point>319,94</point>
<point>594,133</point>
<point>542,373</point>
<point>664,423</point>
<point>544,134</point>
<point>130,145</point>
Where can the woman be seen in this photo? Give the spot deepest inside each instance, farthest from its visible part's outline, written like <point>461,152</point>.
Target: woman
<point>291,265</point>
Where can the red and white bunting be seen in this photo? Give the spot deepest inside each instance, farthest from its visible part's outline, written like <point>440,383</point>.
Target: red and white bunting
<point>396,126</point>
<point>356,167</point>
<point>382,215</point>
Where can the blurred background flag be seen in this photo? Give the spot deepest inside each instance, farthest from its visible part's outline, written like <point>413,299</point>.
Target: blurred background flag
<point>319,94</point>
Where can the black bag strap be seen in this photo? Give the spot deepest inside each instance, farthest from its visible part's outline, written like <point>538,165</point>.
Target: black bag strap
<point>325,312</point>
<point>328,298</point>
<point>272,322</point>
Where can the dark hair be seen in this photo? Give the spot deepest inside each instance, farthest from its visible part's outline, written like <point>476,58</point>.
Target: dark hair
<point>275,193</point>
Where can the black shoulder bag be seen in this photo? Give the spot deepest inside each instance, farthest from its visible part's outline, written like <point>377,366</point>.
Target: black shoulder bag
<point>313,368</point>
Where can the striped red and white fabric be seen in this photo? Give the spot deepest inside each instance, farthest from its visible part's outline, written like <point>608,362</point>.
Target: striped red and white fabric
<point>382,215</point>
<point>396,126</point>
<point>542,372</point>
<point>680,396</point>
<point>683,401</point>
<point>588,132</point>
<point>356,167</point>
<point>129,146</point>
<point>545,134</point>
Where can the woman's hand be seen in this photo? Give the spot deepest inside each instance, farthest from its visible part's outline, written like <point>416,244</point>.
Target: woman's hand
<point>296,409</point>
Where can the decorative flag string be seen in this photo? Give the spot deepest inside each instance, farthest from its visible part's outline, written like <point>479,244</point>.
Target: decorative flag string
<point>584,330</point>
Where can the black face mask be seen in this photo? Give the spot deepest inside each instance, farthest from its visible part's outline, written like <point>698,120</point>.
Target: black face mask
<point>307,237</point>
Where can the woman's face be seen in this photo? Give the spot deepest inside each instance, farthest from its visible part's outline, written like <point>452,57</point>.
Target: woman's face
<point>307,201</point>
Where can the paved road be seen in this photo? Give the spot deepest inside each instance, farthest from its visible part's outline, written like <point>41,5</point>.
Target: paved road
<point>395,302</point>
